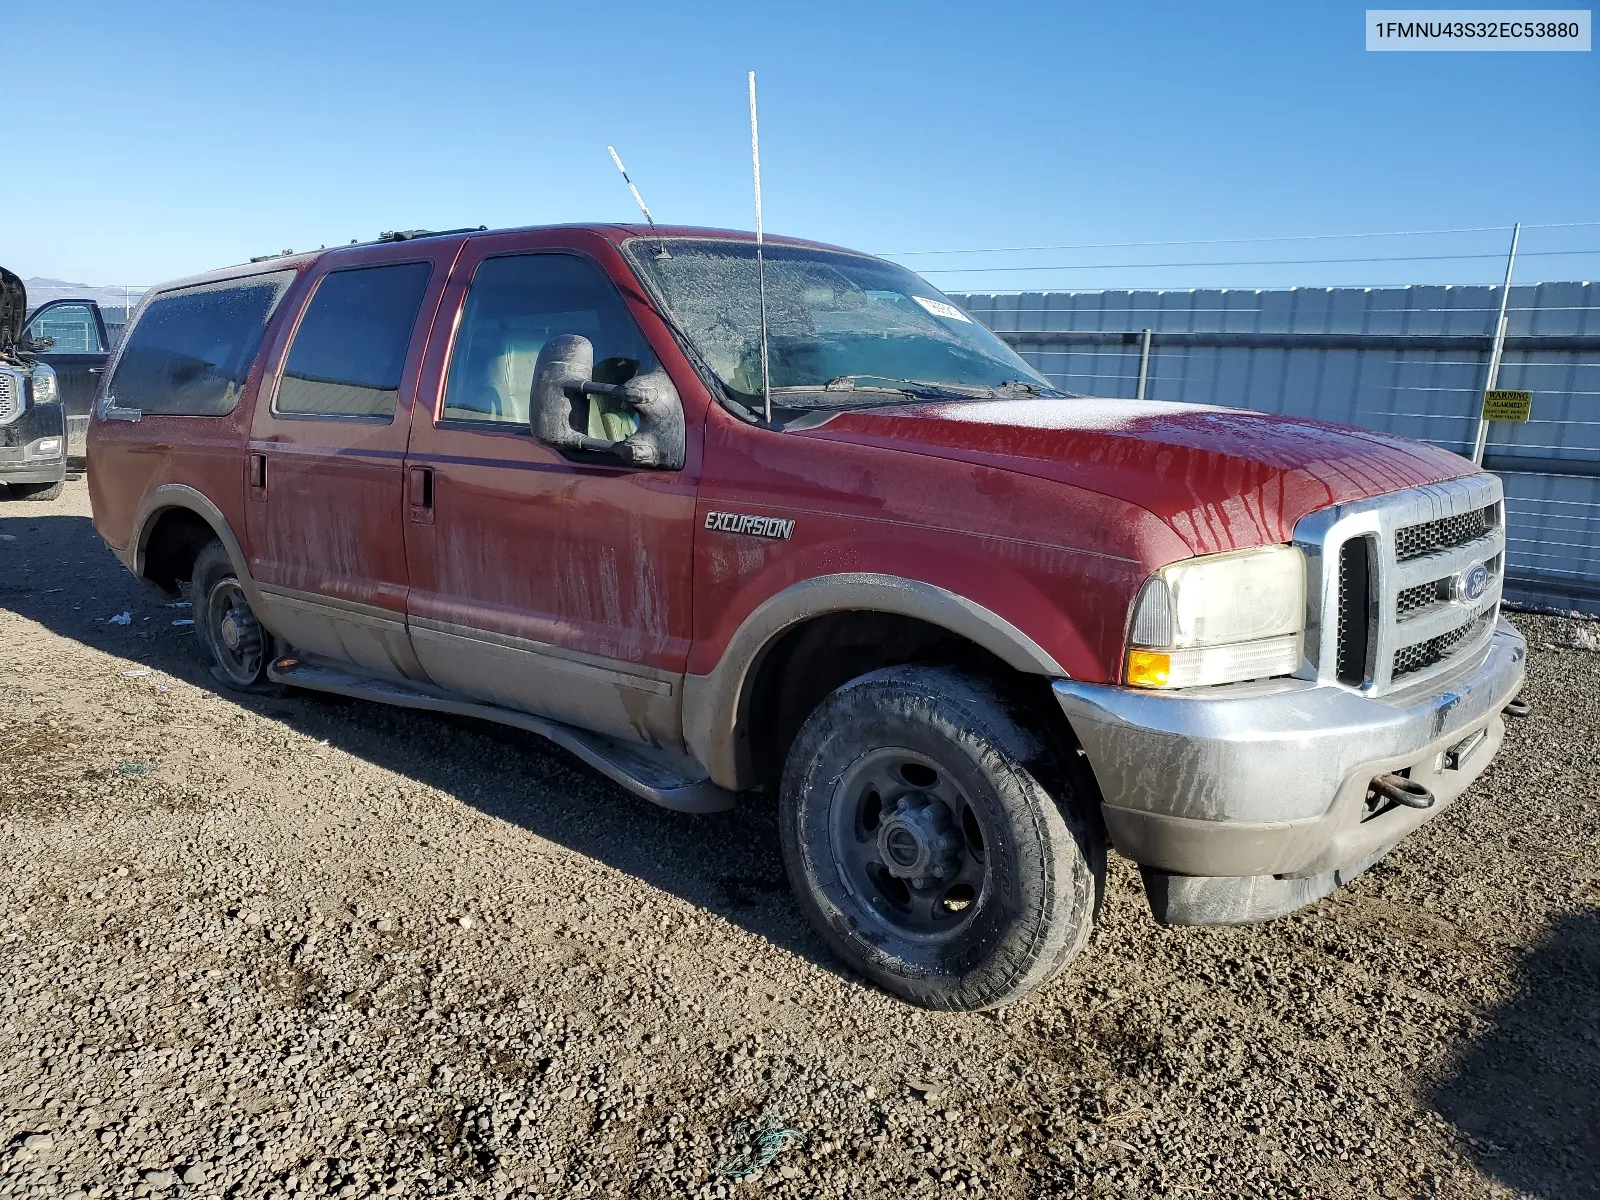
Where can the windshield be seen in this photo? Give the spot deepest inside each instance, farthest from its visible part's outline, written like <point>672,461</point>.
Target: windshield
<point>837,324</point>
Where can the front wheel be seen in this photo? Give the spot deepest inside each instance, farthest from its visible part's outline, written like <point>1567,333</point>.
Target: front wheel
<point>230,636</point>
<point>925,845</point>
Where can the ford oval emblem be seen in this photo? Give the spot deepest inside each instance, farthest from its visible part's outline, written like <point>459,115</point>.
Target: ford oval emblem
<point>1473,582</point>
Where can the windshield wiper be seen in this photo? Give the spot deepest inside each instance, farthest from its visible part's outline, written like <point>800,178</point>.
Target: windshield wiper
<point>839,392</point>
<point>910,387</point>
<point>1022,385</point>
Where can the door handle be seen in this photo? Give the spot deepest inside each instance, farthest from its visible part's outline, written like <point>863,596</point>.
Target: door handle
<point>97,370</point>
<point>258,476</point>
<point>419,494</point>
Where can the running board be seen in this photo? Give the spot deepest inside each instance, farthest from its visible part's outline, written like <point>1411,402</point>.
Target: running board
<point>649,774</point>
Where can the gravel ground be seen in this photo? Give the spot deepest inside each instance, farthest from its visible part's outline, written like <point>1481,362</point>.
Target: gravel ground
<point>299,947</point>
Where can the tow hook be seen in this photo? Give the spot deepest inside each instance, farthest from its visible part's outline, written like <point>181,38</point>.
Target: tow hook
<point>1400,790</point>
<point>1518,707</point>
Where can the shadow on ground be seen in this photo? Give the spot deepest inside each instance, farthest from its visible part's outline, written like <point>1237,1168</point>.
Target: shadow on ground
<point>1527,1093</point>
<point>59,573</point>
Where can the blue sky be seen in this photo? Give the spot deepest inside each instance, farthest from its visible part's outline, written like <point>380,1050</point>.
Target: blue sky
<point>173,137</point>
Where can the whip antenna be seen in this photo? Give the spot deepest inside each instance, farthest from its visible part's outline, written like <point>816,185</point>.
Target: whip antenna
<point>761,263</point>
<point>661,248</point>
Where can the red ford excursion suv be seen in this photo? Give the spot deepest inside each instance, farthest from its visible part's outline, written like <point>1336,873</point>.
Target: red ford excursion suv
<point>970,629</point>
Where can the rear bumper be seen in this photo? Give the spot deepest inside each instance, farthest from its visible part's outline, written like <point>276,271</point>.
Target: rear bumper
<point>1270,780</point>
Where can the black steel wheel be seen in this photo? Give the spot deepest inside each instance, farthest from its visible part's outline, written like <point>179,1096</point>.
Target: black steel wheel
<point>229,633</point>
<point>934,841</point>
<point>908,844</point>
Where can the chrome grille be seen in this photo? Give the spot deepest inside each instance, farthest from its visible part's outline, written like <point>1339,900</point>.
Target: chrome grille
<point>1414,598</point>
<point>1445,534</point>
<point>1389,577</point>
<point>1411,659</point>
<point>1355,609</point>
<point>10,397</point>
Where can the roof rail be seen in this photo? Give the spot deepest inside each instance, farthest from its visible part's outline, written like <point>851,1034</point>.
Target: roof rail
<point>411,235</point>
<point>391,235</point>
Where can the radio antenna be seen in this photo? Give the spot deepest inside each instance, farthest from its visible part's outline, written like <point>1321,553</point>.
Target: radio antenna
<point>761,262</point>
<point>661,247</point>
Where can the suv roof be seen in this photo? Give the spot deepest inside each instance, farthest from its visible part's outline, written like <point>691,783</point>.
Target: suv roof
<point>617,234</point>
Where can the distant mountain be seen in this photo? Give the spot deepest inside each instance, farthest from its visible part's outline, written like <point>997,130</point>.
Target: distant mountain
<point>41,290</point>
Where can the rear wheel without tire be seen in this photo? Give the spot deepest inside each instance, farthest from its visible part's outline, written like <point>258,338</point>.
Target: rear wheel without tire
<point>934,841</point>
<point>38,491</point>
<point>229,634</point>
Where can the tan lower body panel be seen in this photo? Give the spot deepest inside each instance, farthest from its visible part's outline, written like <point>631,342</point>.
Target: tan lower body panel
<point>619,700</point>
<point>371,638</point>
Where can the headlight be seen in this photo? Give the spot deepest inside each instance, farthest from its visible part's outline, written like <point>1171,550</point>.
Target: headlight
<point>45,388</point>
<point>1220,619</point>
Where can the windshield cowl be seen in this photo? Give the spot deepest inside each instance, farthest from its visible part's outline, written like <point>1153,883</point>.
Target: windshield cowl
<point>850,391</point>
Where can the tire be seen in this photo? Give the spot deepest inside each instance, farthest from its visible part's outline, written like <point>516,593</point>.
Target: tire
<point>38,491</point>
<point>230,638</point>
<point>967,908</point>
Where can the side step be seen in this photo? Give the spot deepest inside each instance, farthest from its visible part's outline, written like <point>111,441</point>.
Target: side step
<point>657,776</point>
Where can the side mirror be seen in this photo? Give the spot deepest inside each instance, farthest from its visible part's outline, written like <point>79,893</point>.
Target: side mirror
<point>562,384</point>
<point>556,406</point>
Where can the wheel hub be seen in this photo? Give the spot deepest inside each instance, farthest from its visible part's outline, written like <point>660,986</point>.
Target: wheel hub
<point>917,843</point>
<point>240,632</point>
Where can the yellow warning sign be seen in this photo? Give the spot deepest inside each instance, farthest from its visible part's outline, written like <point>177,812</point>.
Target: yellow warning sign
<point>1507,406</point>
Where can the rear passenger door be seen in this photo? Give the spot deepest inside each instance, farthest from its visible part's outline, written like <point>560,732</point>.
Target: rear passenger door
<point>324,468</point>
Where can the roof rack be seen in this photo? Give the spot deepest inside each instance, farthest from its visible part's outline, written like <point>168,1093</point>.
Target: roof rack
<point>411,235</point>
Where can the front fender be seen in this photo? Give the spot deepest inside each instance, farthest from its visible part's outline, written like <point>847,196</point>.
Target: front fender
<point>714,703</point>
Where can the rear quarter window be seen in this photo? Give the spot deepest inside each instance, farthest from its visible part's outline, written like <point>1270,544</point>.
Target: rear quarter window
<point>190,351</point>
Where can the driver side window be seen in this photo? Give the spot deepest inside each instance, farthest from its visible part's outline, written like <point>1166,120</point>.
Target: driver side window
<point>516,304</point>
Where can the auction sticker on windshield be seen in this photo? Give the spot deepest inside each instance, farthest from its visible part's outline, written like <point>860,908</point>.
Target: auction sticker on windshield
<point>940,309</point>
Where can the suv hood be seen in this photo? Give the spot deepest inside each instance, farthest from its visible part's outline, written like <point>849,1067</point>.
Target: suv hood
<point>1222,478</point>
<point>13,310</point>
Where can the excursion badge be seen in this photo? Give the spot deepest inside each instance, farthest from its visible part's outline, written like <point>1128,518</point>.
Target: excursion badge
<point>777,528</point>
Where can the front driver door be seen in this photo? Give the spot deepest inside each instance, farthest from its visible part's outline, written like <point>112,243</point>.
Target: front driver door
<point>555,585</point>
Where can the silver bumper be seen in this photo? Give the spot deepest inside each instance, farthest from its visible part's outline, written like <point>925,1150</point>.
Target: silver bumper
<point>1271,779</point>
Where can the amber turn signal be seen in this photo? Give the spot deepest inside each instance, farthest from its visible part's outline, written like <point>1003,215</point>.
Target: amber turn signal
<point>1149,668</point>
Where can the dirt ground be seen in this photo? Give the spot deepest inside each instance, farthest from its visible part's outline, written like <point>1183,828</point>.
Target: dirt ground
<point>290,947</point>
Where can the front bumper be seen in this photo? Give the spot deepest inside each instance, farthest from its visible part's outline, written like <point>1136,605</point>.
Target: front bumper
<point>20,460</point>
<point>1271,779</point>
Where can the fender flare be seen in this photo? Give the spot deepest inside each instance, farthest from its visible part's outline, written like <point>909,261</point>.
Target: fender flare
<point>715,704</point>
<point>177,495</point>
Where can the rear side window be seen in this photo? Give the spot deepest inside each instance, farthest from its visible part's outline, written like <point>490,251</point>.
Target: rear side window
<point>190,351</point>
<point>350,349</point>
